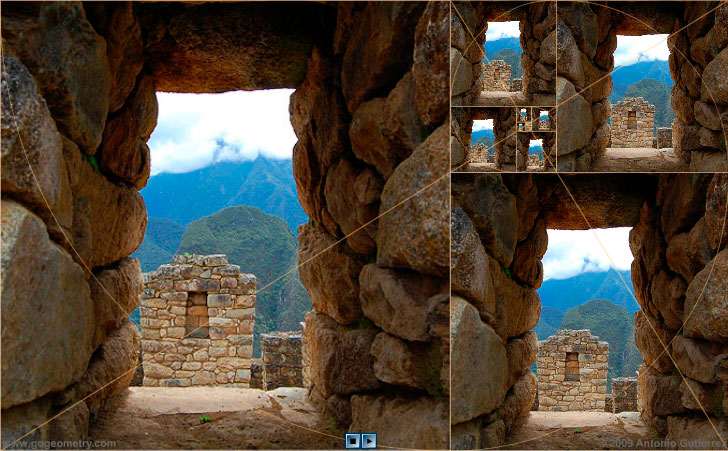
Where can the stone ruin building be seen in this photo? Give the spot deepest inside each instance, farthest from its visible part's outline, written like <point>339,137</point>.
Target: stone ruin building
<point>497,76</point>
<point>679,274</point>
<point>632,123</point>
<point>664,137</point>
<point>372,127</point>
<point>624,396</point>
<point>572,372</point>
<point>281,363</point>
<point>584,38</point>
<point>197,318</point>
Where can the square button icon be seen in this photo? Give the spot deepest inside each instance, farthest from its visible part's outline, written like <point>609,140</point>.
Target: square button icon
<point>369,440</point>
<point>353,441</point>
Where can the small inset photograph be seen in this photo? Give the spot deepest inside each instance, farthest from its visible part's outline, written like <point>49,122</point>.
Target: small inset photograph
<point>643,86</point>
<point>500,67</point>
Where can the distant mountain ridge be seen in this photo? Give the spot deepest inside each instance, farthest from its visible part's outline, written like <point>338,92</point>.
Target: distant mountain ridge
<point>264,183</point>
<point>563,294</point>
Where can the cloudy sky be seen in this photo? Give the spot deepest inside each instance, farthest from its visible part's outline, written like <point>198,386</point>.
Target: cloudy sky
<point>483,125</point>
<point>196,130</point>
<point>572,252</point>
<point>630,49</point>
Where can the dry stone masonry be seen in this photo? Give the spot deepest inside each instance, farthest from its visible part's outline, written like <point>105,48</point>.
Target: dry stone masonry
<point>664,137</point>
<point>624,396</point>
<point>282,360</point>
<point>197,318</point>
<point>497,76</point>
<point>586,40</point>
<point>499,224</point>
<point>370,112</point>
<point>632,123</point>
<point>572,372</point>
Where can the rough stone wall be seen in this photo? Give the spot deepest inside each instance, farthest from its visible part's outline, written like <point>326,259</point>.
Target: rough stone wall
<point>371,119</point>
<point>499,82</point>
<point>466,67</point>
<point>632,123</point>
<point>84,112</point>
<point>585,38</point>
<point>572,372</point>
<point>698,63</point>
<point>498,239</point>
<point>624,396</point>
<point>197,318</point>
<point>282,360</point>
<point>679,275</point>
<point>517,85</point>
<point>664,137</point>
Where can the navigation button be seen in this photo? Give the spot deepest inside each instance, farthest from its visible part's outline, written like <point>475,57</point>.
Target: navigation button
<point>353,441</point>
<point>369,440</point>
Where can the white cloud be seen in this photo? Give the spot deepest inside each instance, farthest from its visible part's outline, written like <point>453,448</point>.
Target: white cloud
<point>633,49</point>
<point>486,124</point>
<point>499,30</point>
<point>572,252</point>
<point>197,130</point>
<point>535,143</point>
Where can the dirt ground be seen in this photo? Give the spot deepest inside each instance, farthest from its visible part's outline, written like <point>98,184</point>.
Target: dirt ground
<point>581,430</point>
<point>638,160</point>
<point>170,418</point>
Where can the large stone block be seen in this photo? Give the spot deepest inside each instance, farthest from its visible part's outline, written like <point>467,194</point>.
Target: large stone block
<point>576,132</point>
<point>119,26</point>
<point>379,50</point>
<point>706,302</point>
<point>492,209</point>
<point>47,312</point>
<point>340,360</point>
<point>397,300</point>
<point>519,399</point>
<point>32,157</point>
<point>115,294</point>
<point>406,422</point>
<point>660,393</point>
<point>470,276</point>
<point>68,61</point>
<point>714,86</point>
<point>112,367</point>
<point>689,252</point>
<point>399,362</point>
<point>517,308</point>
<point>414,229</point>
<point>26,421</point>
<point>653,341</point>
<point>715,211</point>
<point>430,68</point>
<point>478,354</point>
<point>109,219</point>
<point>333,281</point>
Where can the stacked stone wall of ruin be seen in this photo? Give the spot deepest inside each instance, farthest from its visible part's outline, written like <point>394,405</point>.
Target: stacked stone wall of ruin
<point>632,123</point>
<point>468,31</point>
<point>197,319</point>
<point>497,76</point>
<point>664,137</point>
<point>370,112</point>
<point>572,384</point>
<point>624,396</point>
<point>282,360</point>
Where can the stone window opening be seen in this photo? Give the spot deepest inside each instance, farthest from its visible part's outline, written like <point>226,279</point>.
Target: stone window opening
<point>632,119</point>
<point>496,74</point>
<point>197,318</point>
<point>572,366</point>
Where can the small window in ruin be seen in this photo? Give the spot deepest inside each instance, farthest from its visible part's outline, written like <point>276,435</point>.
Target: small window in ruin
<point>572,366</point>
<point>496,74</point>
<point>632,119</point>
<point>196,321</point>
